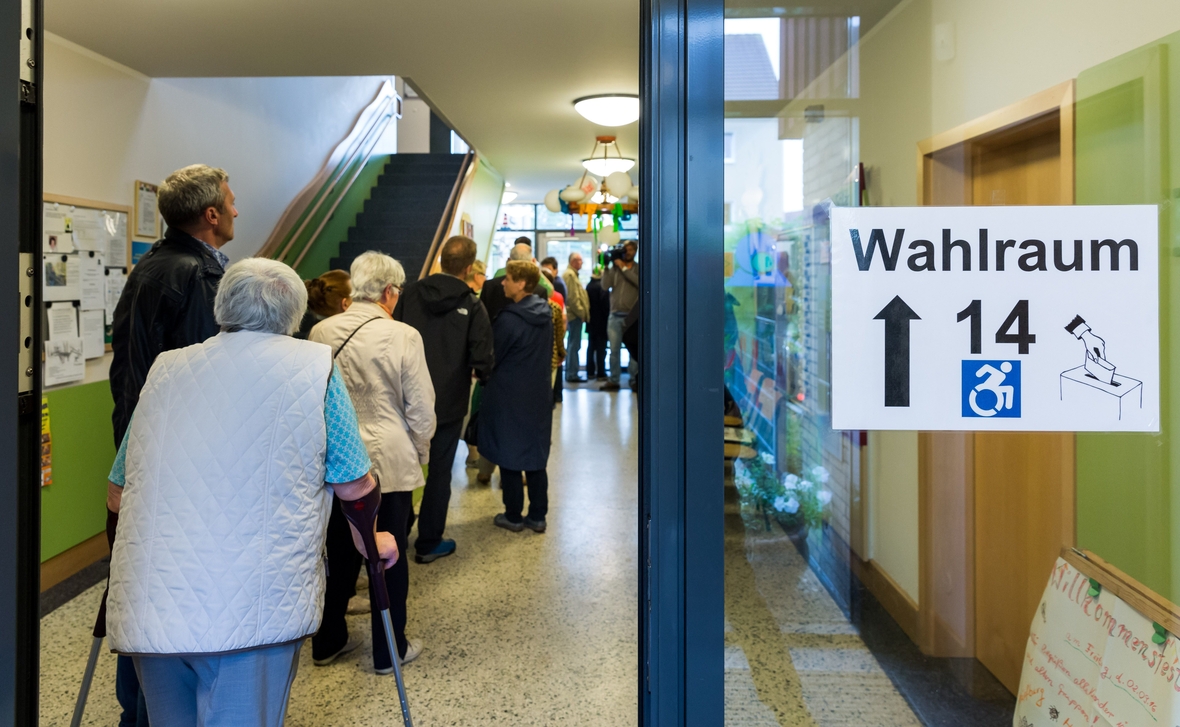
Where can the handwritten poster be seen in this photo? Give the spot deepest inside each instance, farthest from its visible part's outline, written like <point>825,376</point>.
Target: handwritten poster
<point>1092,660</point>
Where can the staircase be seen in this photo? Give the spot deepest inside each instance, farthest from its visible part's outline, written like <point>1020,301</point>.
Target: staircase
<point>402,215</point>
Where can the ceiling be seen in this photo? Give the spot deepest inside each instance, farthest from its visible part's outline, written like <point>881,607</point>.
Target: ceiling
<point>504,74</point>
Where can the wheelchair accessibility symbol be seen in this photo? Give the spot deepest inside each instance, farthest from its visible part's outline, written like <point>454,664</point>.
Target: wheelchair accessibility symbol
<point>991,389</point>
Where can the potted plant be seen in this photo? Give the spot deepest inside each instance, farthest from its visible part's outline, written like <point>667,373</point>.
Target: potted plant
<point>794,502</point>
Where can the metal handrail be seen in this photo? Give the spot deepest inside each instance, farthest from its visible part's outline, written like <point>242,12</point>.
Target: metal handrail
<point>356,146</point>
<point>448,217</point>
<point>340,197</point>
<point>369,140</point>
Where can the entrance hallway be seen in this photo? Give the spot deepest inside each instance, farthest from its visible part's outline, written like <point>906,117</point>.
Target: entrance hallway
<point>518,628</point>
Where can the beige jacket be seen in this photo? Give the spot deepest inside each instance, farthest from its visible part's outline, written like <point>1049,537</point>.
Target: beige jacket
<point>577,302</point>
<point>384,368</point>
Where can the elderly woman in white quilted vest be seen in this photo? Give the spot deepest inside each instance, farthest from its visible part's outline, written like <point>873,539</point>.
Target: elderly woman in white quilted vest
<point>222,487</point>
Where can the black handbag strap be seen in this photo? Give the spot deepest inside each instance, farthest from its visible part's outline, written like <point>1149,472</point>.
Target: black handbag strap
<point>337,353</point>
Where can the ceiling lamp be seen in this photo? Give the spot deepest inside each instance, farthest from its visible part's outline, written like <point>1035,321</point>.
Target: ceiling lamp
<point>609,109</point>
<point>606,165</point>
<point>507,197</point>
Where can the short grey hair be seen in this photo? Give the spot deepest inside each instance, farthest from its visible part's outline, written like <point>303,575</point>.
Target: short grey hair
<point>574,255</point>
<point>521,252</point>
<point>372,272</point>
<point>187,193</point>
<point>260,295</point>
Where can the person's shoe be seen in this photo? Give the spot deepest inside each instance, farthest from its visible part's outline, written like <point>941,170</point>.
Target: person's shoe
<point>601,378</point>
<point>442,550</point>
<point>413,651</point>
<point>537,526</point>
<point>579,380</point>
<point>359,604</point>
<point>350,646</point>
<point>502,521</point>
<point>609,386</point>
<point>483,479</point>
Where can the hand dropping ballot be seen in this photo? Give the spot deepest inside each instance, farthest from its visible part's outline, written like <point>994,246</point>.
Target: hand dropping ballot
<point>995,318</point>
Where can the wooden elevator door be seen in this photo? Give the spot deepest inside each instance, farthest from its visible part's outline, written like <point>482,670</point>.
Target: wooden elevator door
<point>1024,482</point>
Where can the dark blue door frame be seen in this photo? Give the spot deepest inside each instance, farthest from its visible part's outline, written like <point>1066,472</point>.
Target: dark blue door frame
<point>681,511</point>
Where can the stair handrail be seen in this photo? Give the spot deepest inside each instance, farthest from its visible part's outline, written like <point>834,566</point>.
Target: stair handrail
<point>357,145</point>
<point>448,217</point>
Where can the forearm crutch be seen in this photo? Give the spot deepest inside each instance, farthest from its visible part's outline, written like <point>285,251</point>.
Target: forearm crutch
<point>362,514</point>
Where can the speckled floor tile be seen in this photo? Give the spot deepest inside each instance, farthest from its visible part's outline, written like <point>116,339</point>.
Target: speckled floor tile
<point>518,628</point>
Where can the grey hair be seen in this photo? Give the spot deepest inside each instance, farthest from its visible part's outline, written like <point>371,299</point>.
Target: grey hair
<point>521,252</point>
<point>372,272</point>
<point>574,255</point>
<point>260,295</point>
<point>187,193</point>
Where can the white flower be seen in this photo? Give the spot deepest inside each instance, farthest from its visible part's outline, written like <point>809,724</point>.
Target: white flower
<point>824,497</point>
<point>768,458</point>
<point>805,485</point>
<point>820,474</point>
<point>790,482</point>
<point>790,506</point>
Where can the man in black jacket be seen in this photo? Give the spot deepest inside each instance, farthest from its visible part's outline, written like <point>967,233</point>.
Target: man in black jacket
<point>166,304</point>
<point>457,338</point>
<point>599,315</point>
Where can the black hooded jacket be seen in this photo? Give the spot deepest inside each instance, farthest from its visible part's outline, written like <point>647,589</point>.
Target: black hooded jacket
<point>456,336</point>
<point>166,304</point>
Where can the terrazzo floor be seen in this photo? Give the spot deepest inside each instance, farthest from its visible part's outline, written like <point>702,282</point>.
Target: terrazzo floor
<point>519,628</point>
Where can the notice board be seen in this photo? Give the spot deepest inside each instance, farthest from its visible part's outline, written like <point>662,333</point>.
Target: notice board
<point>996,318</point>
<point>1102,651</point>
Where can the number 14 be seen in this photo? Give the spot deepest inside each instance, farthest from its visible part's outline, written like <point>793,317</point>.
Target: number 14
<point>1019,316</point>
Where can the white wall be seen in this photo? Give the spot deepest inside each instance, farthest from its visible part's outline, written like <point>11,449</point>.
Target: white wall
<point>107,125</point>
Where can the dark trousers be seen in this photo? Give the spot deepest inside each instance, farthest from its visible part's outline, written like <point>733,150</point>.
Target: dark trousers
<point>596,356</point>
<point>129,694</point>
<point>513,488</point>
<point>344,564</point>
<point>436,496</point>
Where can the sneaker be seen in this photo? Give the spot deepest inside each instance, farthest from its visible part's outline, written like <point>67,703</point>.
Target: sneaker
<point>413,651</point>
<point>442,550</point>
<point>359,604</point>
<point>609,386</point>
<point>350,646</point>
<point>537,526</point>
<point>502,521</point>
<point>483,479</point>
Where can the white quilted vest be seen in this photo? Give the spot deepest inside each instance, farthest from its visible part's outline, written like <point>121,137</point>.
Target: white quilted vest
<point>224,511</point>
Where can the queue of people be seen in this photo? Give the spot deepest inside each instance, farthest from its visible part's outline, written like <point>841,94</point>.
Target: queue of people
<point>304,404</point>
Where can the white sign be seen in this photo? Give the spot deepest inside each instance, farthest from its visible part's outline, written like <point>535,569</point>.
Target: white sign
<point>996,318</point>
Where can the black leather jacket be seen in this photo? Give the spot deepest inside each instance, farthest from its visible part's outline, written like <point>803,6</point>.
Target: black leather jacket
<point>166,304</point>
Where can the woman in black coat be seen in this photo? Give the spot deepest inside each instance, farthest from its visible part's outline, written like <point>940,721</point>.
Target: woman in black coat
<point>516,416</point>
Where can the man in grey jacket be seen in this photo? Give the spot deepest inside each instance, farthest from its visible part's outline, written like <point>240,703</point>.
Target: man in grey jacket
<point>622,280</point>
<point>577,308</point>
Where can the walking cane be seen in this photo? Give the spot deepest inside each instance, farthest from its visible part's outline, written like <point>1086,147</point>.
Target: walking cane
<point>357,513</point>
<point>100,632</point>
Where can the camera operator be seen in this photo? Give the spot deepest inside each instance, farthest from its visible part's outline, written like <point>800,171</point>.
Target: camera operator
<point>621,278</point>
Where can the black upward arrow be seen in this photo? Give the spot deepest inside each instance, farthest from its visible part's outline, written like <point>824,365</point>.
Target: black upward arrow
<point>897,316</point>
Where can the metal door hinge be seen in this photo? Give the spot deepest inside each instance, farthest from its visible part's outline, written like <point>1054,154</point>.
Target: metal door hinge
<point>28,54</point>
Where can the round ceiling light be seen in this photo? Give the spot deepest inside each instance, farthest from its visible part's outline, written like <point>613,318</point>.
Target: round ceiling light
<point>604,166</point>
<point>507,197</point>
<point>611,109</point>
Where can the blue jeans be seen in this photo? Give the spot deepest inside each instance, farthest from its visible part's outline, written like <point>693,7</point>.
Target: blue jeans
<point>572,347</point>
<point>243,688</point>
<point>614,333</point>
<point>130,696</point>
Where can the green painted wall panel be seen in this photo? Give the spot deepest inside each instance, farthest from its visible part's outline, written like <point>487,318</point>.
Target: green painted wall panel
<point>73,508</point>
<point>1128,491</point>
<point>327,246</point>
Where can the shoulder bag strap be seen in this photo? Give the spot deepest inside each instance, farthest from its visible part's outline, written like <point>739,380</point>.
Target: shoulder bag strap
<point>337,352</point>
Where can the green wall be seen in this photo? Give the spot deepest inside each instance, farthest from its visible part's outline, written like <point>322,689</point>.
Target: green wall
<point>73,508</point>
<point>1128,489</point>
<point>327,246</point>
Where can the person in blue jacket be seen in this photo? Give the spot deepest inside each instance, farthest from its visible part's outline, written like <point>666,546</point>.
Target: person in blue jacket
<point>516,416</point>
